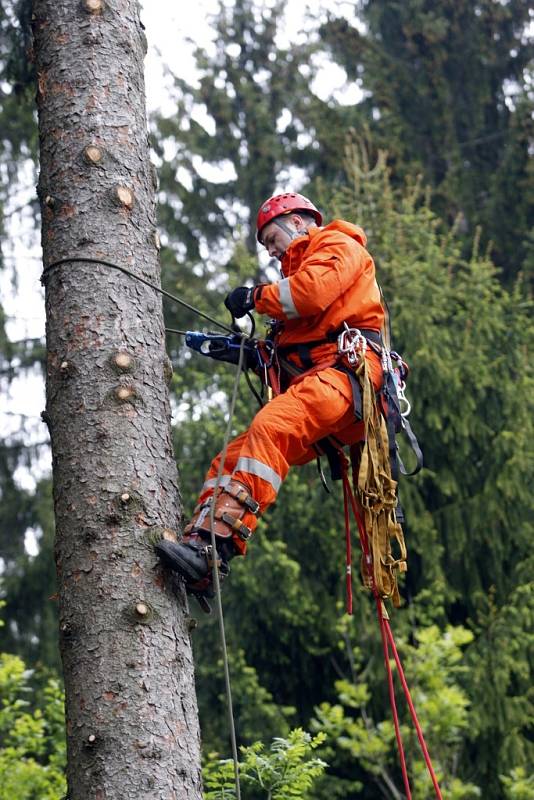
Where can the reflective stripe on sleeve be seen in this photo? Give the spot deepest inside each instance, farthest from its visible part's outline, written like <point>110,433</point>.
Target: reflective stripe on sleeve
<point>212,482</point>
<point>286,300</point>
<point>255,467</point>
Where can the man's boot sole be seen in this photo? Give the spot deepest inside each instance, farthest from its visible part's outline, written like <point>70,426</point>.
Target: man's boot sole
<point>172,558</point>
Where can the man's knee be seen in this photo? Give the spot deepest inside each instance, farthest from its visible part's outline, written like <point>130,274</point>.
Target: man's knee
<point>264,425</point>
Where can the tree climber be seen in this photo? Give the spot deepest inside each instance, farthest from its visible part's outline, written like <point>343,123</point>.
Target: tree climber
<point>328,280</point>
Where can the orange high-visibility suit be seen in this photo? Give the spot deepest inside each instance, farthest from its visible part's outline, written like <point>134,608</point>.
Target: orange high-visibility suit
<point>329,279</point>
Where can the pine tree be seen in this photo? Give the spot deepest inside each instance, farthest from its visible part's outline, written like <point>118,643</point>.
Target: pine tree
<point>256,99</point>
<point>130,702</point>
<point>25,582</point>
<point>17,123</point>
<point>467,340</point>
<point>447,94</point>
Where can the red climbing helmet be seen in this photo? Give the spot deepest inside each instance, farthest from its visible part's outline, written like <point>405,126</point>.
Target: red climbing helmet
<point>284,204</point>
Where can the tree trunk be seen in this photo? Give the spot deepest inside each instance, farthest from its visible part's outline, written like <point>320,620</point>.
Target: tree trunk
<point>132,727</point>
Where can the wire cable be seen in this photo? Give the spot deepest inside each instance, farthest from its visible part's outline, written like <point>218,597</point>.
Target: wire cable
<point>86,260</point>
<point>215,571</point>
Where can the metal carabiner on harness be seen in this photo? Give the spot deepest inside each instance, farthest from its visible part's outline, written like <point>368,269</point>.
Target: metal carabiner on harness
<point>266,355</point>
<point>352,344</point>
<point>404,403</point>
<point>399,370</point>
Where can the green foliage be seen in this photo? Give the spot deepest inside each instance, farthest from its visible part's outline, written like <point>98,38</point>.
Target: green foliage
<point>28,583</point>
<point>18,141</point>
<point>259,715</point>
<point>32,737</point>
<point>433,667</point>
<point>31,625</point>
<point>448,93</point>
<point>235,133</point>
<point>518,785</point>
<point>500,683</point>
<point>287,770</point>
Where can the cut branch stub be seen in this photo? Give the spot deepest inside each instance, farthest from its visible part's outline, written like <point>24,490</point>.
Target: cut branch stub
<point>125,394</point>
<point>92,154</point>
<point>65,629</point>
<point>123,196</point>
<point>123,507</point>
<point>122,361</point>
<point>93,6</point>
<point>143,612</point>
<point>66,369</point>
<point>156,533</point>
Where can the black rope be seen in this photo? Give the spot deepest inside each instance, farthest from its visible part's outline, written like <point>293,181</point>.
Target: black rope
<point>175,330</point>
<point>125,271</point>
<point>253,388</point>
<point>215,570</point>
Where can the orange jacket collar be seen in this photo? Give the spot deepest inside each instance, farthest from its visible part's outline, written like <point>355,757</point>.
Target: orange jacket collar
<point>295,251</point>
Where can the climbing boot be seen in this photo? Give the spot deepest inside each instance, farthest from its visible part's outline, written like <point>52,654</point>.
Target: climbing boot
<point>192,558</point>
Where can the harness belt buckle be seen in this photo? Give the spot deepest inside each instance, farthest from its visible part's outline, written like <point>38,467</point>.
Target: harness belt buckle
<point>252,505</point>
<point>208,552</point>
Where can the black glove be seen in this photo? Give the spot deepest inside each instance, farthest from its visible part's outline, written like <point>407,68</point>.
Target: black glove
<point>219,350</point>
<point>240,300</point>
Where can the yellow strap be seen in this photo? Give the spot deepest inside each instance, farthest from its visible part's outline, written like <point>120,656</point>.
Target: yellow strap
<point>376,492</point>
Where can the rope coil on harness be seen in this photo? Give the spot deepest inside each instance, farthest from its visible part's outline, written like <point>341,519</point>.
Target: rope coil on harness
<point>377,494</point>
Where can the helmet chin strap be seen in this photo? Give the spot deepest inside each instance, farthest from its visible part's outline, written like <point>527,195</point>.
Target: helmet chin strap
<point>291,233</point>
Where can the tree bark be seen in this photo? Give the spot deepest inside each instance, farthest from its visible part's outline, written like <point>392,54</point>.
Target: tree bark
<point>132,727</point>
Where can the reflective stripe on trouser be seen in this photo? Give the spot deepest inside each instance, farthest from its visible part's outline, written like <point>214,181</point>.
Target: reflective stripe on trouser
<point>282,433</point>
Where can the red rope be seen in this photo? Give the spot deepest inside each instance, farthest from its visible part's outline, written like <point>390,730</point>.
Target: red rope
<point>348,545</point>
<point>393,702</point>
<point>411,706</point>
<point>387,637</point>
<point>348,494</point>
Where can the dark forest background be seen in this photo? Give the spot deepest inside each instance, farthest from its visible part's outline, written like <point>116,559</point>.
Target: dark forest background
<point>435,164</point>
